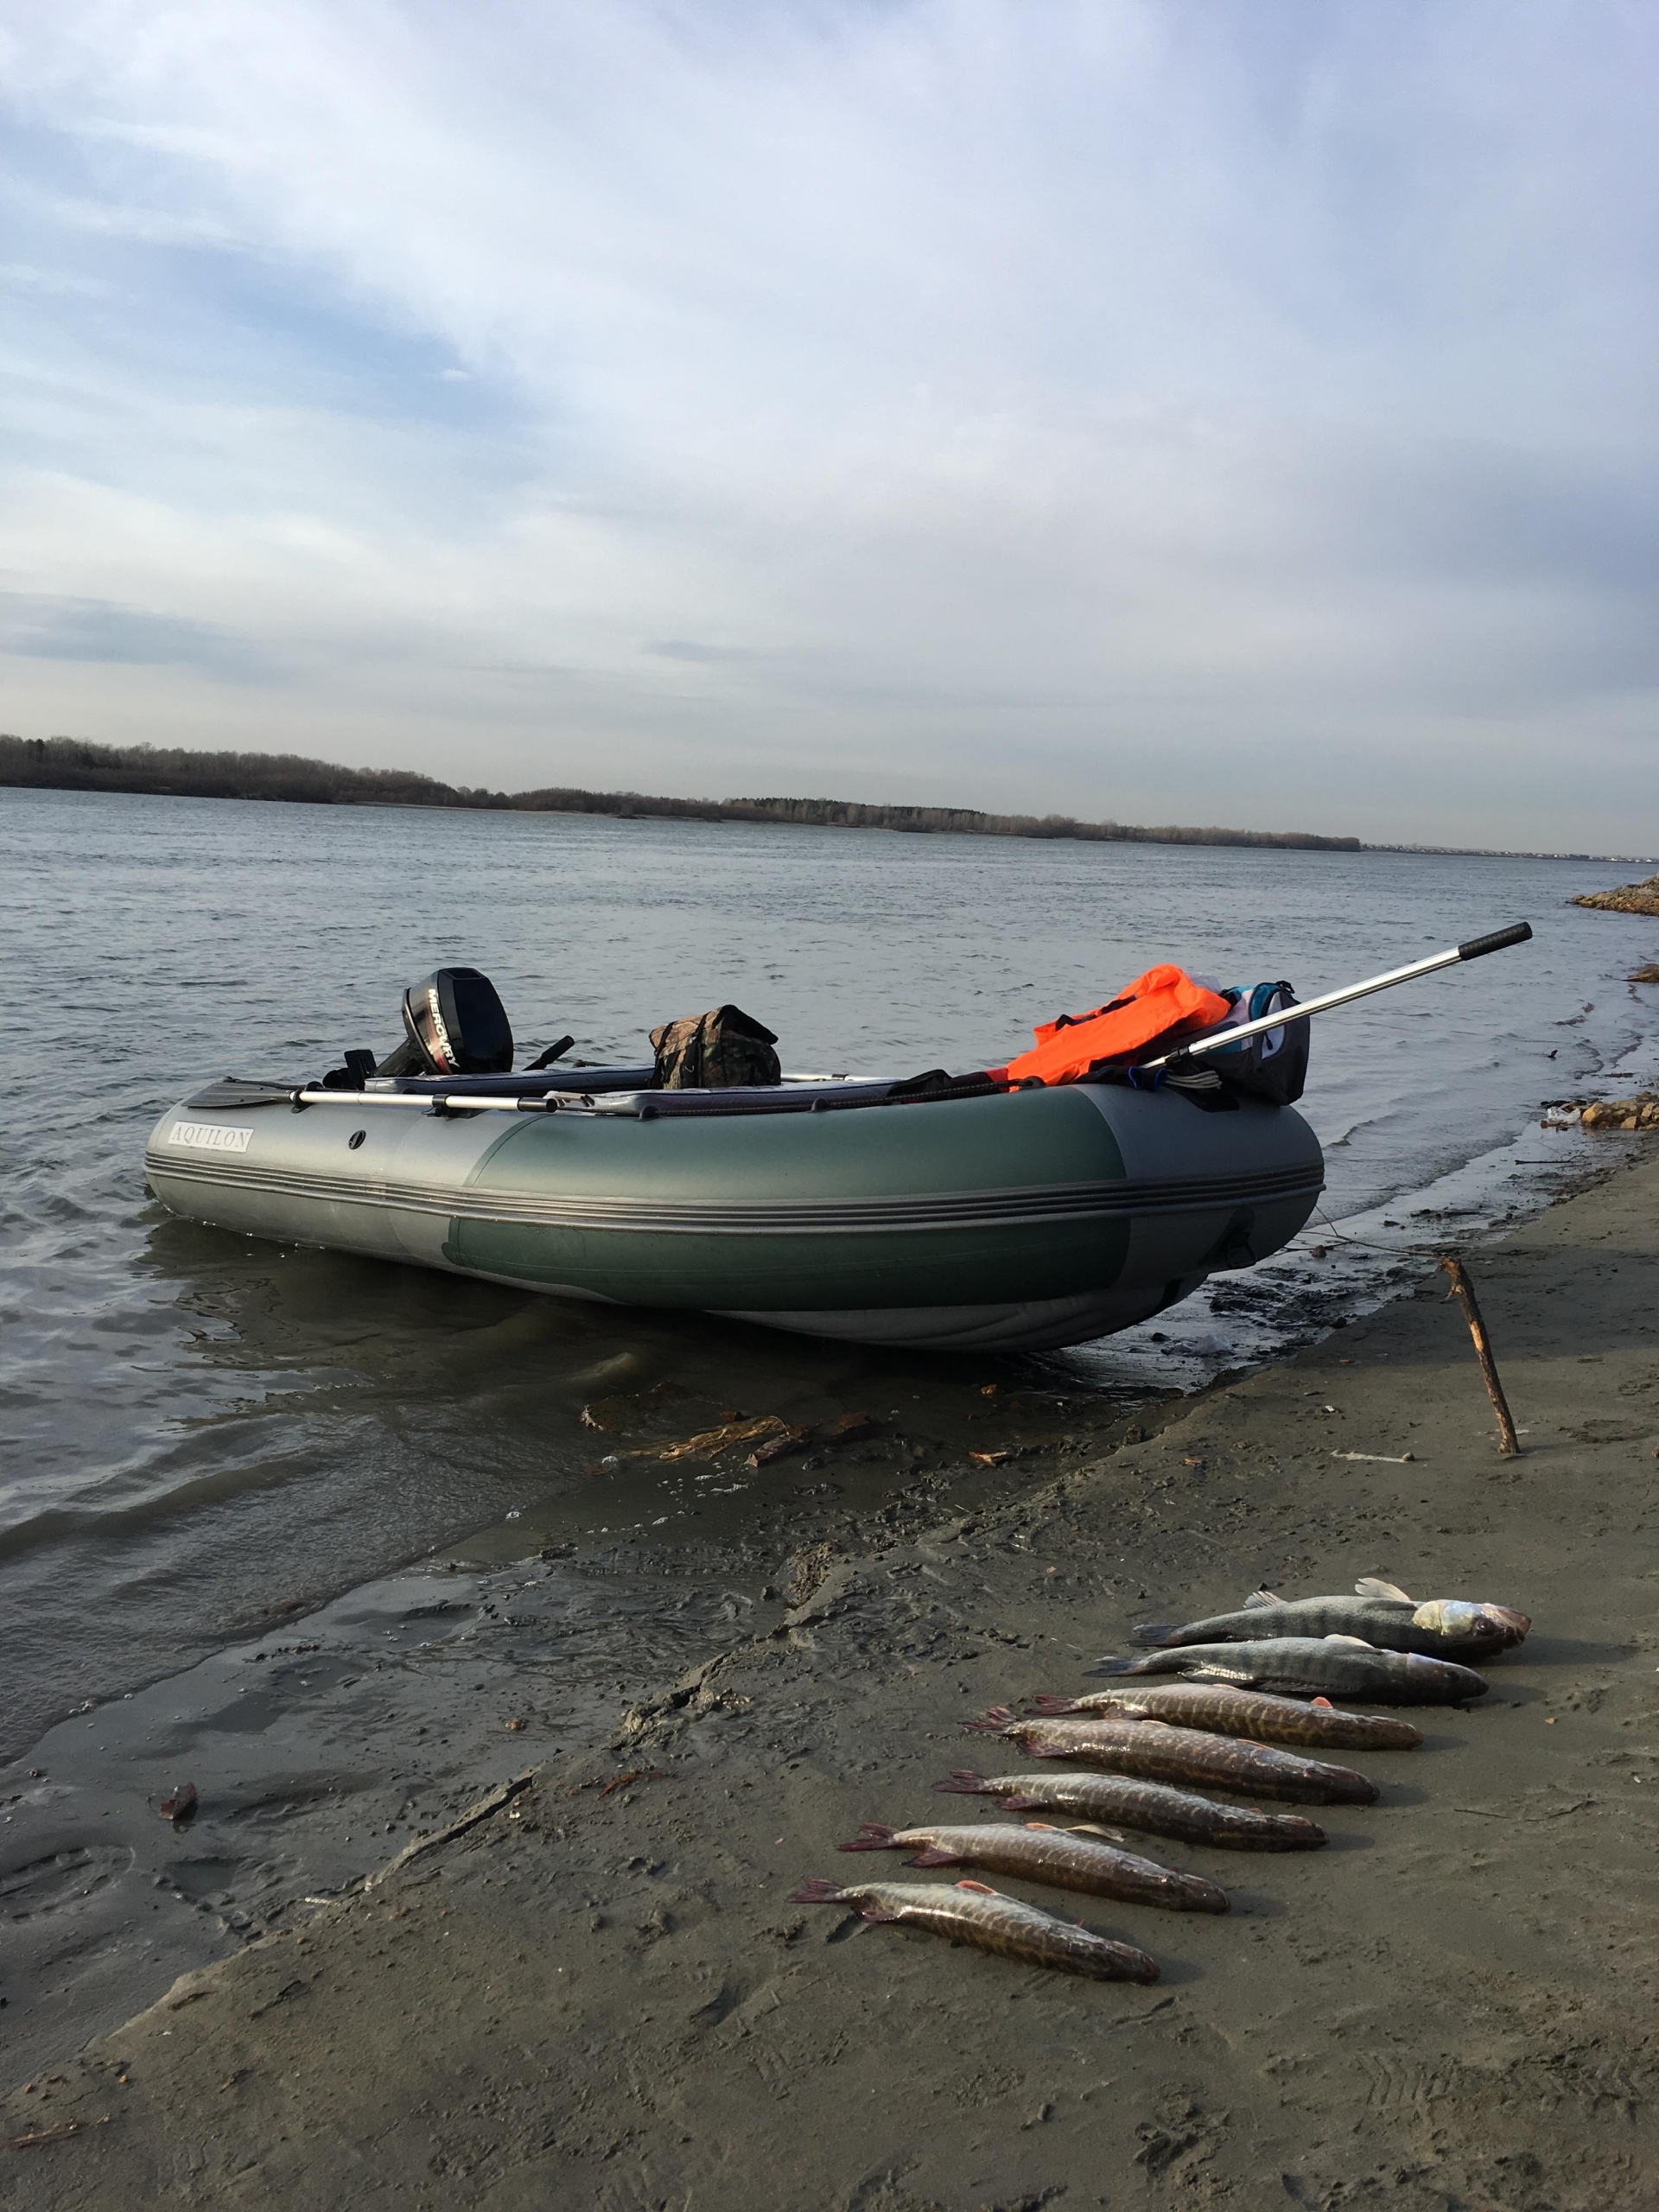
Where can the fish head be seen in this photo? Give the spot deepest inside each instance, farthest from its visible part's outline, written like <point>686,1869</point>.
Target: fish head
<point>1449,1683</point>
<point>1461,1620</point>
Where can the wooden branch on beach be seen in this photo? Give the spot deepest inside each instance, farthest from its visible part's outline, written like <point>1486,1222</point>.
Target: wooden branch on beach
<point>491,1802</point>
<point>1464,1291</point>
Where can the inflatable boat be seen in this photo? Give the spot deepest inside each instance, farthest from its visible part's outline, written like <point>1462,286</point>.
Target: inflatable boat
<point>945,1213</point>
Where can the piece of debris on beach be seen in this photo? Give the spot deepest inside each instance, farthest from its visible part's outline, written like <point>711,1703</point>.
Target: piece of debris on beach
<point>781,1448</point>
<point>709,1443</point>
<point>179,1807</point>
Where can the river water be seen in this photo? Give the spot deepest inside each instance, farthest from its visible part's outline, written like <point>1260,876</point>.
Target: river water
<point>205,1437</point>
<point>196,1426</point>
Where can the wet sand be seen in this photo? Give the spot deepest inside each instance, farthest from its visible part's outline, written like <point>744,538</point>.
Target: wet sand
<point>597,1994</point>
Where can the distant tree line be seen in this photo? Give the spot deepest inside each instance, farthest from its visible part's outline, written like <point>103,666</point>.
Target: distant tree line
<point>69,764</point>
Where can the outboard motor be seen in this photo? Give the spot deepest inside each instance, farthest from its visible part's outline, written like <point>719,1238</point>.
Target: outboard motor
<point>456,1025</point>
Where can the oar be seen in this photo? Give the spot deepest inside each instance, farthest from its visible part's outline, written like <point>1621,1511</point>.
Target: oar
<point>1218,1041</point>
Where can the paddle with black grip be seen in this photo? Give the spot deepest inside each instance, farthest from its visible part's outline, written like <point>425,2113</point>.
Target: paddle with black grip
<point>1186,1055</point>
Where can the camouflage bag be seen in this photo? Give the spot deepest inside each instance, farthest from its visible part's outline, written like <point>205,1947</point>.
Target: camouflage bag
<point>723,1049</point>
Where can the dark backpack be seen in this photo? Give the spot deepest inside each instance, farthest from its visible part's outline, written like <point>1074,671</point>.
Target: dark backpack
<point>1274,1065</point>
<point>723,1049</point>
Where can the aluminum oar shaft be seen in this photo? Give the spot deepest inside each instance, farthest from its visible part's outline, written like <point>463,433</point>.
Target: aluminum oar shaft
<point>1518,933</point>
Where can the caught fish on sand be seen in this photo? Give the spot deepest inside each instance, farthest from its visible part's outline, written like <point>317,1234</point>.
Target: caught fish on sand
<point>968,1912</point>
<point>1068,1858</point>
<point>1160,1753</point>
<point>1228,1710</point>
<point>1379,1614</point>
<point>1151,1807</point>
<point>1338,1666</point>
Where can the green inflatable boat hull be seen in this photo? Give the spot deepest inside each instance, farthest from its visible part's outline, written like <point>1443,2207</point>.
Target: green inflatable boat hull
<point>1019,1220</point>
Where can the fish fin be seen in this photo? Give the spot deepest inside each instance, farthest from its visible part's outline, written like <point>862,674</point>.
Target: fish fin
<point>1001,1714</point>
<point>933,1857</point>
<point>1048,1827</point>
<point>818,1890</point>
<point>1322,1705</point>
<point>873,1836</point>
<point>1019,1802</point>
<point>987,1724</point>
<point>1091,1827</point>
<point>1114,1667</point>
<point>1045,1704</point>
<point>1040,1751</point>
<point>1262,1598</point>
<point>868,1909</point>
<point>966,1781</point>
<point>1369,1587</point>
<point>1359,1639</point>
<point>979,1889</point>
<point>1156,1632</point>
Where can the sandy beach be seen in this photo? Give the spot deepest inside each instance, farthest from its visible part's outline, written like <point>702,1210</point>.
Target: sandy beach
<point>596,1991</point>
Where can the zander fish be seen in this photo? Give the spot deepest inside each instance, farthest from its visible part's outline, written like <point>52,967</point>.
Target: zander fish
<point>1227,1711</point>
<point>1379,1614</point>
<point>1164,1754</point>
<point>1340,1666</point>
<point>1149,1806</point>
<point>1069,1858</point>
<point>968,1912</point>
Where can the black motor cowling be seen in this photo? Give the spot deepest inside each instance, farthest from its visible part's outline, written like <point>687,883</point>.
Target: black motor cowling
<point>455,1025</point>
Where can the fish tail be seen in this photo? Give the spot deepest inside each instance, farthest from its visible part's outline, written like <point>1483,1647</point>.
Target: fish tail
<point>996,1722</point>
<point>818,1890</point>
<point>967,1781</point>
<point>873,1836</point>
<point>1160,1632</point>
<point>1043,1703</point>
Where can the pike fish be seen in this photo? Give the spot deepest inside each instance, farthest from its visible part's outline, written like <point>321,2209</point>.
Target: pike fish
<point>1164,1754</point>
<point>1227,1711</point>
<point>968,1912</point>
<point>1148,1807</point>
<point>1378,1613</point>
<point>1338,1666</point>
<point>1067,1859</point>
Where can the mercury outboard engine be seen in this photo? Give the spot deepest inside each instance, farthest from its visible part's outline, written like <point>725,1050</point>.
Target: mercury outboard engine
<point>456,1025</point>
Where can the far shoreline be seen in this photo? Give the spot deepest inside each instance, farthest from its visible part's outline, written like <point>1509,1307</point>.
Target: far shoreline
<point>133,771</point>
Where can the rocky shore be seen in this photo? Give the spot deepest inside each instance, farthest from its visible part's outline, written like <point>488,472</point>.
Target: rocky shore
<point>1627,898</point>
<point>593,1990</point>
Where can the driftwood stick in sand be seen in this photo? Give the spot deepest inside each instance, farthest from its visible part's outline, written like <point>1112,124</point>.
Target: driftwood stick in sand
<point>1464,1291</point>
<point>491,1802</point>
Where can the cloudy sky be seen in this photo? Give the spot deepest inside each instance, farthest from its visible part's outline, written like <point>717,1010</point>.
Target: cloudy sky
<point>1226,411</point>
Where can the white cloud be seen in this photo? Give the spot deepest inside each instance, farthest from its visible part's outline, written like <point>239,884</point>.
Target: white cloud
<point>1149,407</point>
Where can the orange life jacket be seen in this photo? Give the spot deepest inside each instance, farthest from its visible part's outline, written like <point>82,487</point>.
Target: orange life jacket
<point>1164,1002</point>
